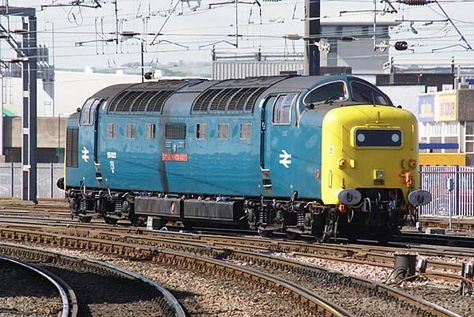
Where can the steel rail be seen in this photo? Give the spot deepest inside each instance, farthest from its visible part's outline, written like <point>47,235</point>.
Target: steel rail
<point>177,309</point>
<point>295,266</point>
<point>68,297</point>
<point>377,256</point>
<point>169,298</point>
<point>314,303</point>
<point>149,252</point>
<point>313,300</point>
<point>445,240</point>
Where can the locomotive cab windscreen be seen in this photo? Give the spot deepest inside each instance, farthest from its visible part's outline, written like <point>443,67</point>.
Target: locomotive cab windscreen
<point>333,91</point>
<point>361,92</point>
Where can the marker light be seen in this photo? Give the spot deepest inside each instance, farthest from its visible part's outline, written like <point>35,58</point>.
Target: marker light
<point>342,163</point>
<point>378,174</point>
<point>412,163</point>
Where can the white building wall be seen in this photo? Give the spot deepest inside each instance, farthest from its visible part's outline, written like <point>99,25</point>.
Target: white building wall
<point>405,96</point>
<point>71,91</point>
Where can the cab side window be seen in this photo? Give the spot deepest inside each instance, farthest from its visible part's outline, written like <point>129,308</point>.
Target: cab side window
<point>88,111</point>
<point>328,92</point>
<point>85,112</point>
<point>282,109</point>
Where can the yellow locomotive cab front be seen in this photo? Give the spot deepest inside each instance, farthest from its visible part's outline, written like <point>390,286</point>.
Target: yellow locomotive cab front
<point>369,155</point>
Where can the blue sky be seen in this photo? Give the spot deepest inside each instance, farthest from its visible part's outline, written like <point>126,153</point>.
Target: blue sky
<point>191,29</point>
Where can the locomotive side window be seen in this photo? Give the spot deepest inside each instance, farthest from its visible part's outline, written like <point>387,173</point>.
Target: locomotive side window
<point>245,131</point>
<point>364,93</point>
<point>282,109</point>
<point>223,131</point>
<point>150,131</point>
<point>175,131</point>
<point>201,131</point>
<point>131,131</point>
<point>111,132</point>
<point>328,92</point>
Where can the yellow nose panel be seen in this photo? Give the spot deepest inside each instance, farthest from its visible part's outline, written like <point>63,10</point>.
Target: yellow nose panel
<point>371,141</point>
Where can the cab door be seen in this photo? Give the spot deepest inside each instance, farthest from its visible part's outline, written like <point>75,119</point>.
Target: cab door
<point>276,145</point>
<point>88,142</point>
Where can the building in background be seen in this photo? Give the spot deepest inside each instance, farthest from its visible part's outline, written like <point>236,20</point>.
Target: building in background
<point>344,53</point>
<point>70,91</point>
<point>446,127</point>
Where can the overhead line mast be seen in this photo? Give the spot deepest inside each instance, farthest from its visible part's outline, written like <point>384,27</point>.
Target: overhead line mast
<point>312,33</point>
<point>27,55</point>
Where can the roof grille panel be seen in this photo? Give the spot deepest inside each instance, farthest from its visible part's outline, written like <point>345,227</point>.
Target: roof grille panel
<point>156,103</point>
<point>127,101</point>
<point>220,102</point>
<point>116,101</point>
<point>141,102</point>
<point>232,106</point>
<point>241,102</point>
<point>202,103</point>
<point>253,98</point>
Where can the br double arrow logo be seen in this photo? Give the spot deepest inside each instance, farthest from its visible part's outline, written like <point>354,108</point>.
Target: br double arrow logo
<point>85,154</point>
<point>285,159</point>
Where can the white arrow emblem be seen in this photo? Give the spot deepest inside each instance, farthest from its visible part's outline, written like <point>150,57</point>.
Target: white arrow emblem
<point>285,159</point>
<point>85,154</point>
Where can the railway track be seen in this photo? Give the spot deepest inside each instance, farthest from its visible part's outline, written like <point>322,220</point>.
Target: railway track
<point>48,205</point>
<point>58,211</point>
<point>358,254</point>
<point>313,305</point>
<point>179,253</point>
<point>82,275</point>
<point>21,270</point>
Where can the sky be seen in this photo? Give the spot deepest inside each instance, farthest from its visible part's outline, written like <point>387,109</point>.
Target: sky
<point>81,36</point>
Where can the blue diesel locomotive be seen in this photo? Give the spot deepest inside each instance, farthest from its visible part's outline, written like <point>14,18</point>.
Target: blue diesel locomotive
<point>316,155</point>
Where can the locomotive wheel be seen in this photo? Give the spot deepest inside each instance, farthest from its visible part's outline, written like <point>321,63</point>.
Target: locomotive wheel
<point>384,235</point>
<point>138,221</point>
<point>110,220</point>
<point>325,238</point>
<point>265,233</point>
<point>85,219</point>
<point>292,235</point>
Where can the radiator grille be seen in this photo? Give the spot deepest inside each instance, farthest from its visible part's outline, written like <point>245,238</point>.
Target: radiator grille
<point>72,140</point>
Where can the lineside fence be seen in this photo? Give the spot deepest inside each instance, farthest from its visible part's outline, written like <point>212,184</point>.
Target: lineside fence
<point>47,174</point>
<point>452,188</point>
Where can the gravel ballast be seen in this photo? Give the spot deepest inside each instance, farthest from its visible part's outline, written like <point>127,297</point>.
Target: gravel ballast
<point>24,293</point>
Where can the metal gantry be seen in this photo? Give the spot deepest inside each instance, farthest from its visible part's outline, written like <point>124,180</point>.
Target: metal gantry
<point>312,34</point>
<point>27,55</point>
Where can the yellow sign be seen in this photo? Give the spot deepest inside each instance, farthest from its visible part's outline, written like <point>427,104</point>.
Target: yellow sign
<point>442,159</point>
<point>446,106</point>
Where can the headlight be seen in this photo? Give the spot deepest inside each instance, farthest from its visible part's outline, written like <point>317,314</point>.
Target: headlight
<point>395,138</point>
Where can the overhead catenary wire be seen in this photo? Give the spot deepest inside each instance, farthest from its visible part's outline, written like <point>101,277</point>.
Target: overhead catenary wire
<point>251,32</point>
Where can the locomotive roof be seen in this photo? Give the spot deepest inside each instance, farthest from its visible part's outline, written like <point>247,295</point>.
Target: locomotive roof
<point>202,96</point>
<point>199,85</point>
